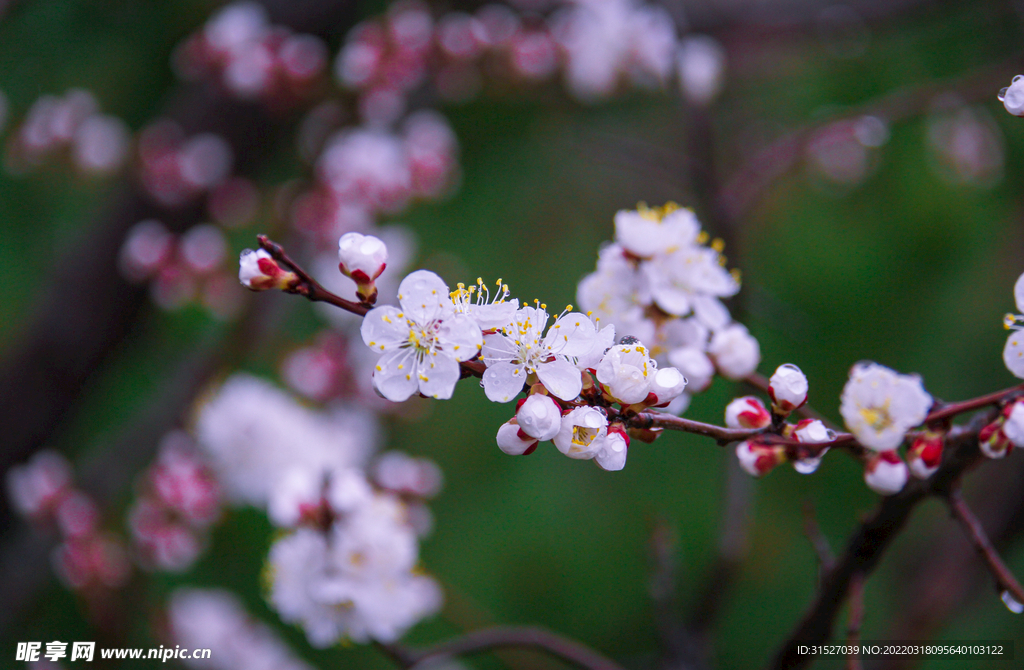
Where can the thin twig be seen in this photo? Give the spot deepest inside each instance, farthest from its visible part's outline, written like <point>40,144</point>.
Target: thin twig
<point>952,409</point>
<point>826,559</point>
<point>1004,577</point>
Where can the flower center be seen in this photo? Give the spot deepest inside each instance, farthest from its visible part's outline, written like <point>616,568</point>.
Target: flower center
<point>877,417</point>
<point>583,436</point>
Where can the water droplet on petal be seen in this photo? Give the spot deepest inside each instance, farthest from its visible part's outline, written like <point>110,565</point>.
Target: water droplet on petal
<point>1002,93</point>
<point>1011,603</point>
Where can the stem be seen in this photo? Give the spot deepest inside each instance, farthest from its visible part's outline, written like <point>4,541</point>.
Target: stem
<point>1004,577</point>
<point>952,409</point>
<point>856,619</point>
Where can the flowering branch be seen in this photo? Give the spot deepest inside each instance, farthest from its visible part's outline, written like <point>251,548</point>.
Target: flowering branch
<point>486,639</point>
<point>954,408</point>
<point>1004,577</point>
<point>867,545</point>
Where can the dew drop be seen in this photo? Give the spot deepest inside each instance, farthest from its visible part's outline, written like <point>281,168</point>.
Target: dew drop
<point>1011,603</point>
<point>1017,78</point>
<point>1002,93</point>
<point>807,466</point>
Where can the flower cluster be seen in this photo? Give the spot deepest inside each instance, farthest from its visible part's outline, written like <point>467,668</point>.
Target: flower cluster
<point>367,171</point>
<point>96,143</point>
<point>215,619</point>
<point>178,501</point>
<point>176,168</point>
<point>348,568</point>
<point>181,269</point>
<point>88,558</point>
<point>1013,352</point>
<point>660,282</point>
<point>251,58</point>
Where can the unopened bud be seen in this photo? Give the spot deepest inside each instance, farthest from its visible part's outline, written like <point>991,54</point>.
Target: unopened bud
<point>259,272</point>
<point>667,385</point>
<point>612,456</point>
<point>539,417</point>
<point>1014,426</point>
<point>513,441</point>
<point>886,473</point>
<point>362,258</point>
<point>788,389</point>
<point>925,454</point>
<point>758,459</point>
<point>747,412</point>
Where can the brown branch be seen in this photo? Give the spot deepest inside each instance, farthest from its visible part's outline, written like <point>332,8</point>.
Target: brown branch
<point>488,639</point>
<point>826,559</point>
<point>1004,577</point>
<point>952,409</point>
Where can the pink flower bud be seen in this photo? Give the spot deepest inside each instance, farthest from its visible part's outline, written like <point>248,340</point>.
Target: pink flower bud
<point>788,389</point>
<point>886,473</point>
<point>257,271</point>
<point>747,412</point>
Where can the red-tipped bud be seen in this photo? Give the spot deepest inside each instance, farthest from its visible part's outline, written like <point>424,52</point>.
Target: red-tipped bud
<point>257,271</point>
<point>886,473</point>
<point>747,412</point>
<point>925,454</point>
<point>758,458</point>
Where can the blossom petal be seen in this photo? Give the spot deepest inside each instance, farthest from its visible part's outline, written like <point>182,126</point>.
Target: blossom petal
<point>498,347</point>
<point>571,335</point>
<point>561,378</point>
<point>395,375</point>
<point>503,381</point>
<point>1013,353</point>
<point>424,296</point>
<point>438,374</point>
<point>383,330</point>
<point>460,336</point>
<point>1018,293</point>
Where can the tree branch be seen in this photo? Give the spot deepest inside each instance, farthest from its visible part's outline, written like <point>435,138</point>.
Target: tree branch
<point>867,545</point>
<point>1004,577</point>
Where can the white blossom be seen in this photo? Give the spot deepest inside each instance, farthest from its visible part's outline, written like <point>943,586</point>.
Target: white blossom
<point>422,342</point>
<point>735,351</point>
<point>886,473</point>
<point>489,312</point>
<point>604,339</point>
<point>627,372</point>
<point>813,431</point>
<point>700,62</point>
<point>612,456</point>
<point>695,365</point>
<point>521,351</point>
<point>216,619</point>
<point>255,433</point>
<point>582,433</point>
<point>1013,353</point>
<point>879,406</point>
<point>540,417</point>
<point>1012,97</point>
<point>644,233</point>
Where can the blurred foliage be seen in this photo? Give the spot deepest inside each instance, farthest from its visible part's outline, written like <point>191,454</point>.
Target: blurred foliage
<point>905,269</point>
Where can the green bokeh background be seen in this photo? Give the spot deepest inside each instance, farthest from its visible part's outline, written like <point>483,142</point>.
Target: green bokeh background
<point>905,269</point>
